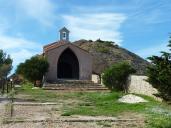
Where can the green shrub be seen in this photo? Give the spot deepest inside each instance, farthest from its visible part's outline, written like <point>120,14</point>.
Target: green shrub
<point>102,49</point>
<point>33,69</point>
<point>99,47</point>
<point>104,46</point>
<point>115,77</point>
<point>106,43</point>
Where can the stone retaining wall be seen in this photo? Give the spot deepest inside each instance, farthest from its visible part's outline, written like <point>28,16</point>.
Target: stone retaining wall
<point>139,85</point>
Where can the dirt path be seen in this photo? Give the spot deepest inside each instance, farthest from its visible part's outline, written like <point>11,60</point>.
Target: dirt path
<point>31,114</point>
<point>3,102</point>
<point>73,125</point>
<point>48,115</point>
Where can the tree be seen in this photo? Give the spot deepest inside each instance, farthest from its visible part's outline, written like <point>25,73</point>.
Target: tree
<point>33,69</point>
<point>115,77</point>
<point>159,73</point>
<point>5,64</point>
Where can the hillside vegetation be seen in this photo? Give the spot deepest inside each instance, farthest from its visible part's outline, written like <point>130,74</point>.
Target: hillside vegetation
<point>106,53</point>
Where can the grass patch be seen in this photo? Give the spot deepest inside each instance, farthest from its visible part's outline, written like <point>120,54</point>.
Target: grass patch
<point>159,121</point>
<point>36,94</point>
<point>91,103</point>
<point>106,104</point>
<point>101,104</point>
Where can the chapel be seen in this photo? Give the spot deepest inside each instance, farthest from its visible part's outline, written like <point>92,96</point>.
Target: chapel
<point>66,60</point>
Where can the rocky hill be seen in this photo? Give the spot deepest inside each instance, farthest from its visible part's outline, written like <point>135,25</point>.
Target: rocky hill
<point>106,53</point>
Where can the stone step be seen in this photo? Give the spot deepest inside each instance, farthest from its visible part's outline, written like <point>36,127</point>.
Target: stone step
<point>72,85</point>
<point>64,81</point>
<point>75,85</point>
<point>79,89</point>
<point>91,88</point>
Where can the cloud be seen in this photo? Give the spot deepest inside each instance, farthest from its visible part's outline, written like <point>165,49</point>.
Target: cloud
<point>97,25</point>
<point>43,11</point>
<point>153,50</point>
<point>19,48</point>
<point>21,55</point>
<point>151,12</point>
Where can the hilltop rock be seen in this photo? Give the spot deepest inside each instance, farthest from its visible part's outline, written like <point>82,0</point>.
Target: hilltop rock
<point>106,53</point>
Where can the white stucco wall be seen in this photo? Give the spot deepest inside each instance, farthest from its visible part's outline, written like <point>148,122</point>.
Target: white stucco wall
<point>95,78</point>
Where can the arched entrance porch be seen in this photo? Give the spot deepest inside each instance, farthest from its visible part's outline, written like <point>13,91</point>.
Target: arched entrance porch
<point>68,65</point>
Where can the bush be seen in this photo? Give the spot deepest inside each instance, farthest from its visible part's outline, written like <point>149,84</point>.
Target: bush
<point>106,43</point>
<point>159,73</point>
<point>115,77</point>
<point>33,69</point>
<point>102,49</point>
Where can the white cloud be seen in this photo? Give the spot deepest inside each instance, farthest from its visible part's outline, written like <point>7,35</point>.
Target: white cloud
<point>153,50</point>
<point>13,43</point>
<point>42,11</point>
<point>98,25</point>
<point>151,12</point>
<point>21,55</point>
<point>19,48</point>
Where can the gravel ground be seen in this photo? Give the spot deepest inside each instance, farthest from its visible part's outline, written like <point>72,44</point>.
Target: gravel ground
<point>3,101</point>
<point>29,113</point>
<point>74,125</point>
<point>32,112</point>
<point>43,112</point>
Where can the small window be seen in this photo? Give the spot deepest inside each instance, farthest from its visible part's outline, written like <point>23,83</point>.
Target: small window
<point>64,35</point>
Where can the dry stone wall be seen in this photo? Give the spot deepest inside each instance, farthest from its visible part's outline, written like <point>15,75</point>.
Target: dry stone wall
<point>139,85</point>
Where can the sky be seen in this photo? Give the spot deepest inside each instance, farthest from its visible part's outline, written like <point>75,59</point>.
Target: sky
<point>141,26</point>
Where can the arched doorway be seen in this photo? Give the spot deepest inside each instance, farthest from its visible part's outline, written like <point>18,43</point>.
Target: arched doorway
<point>68,65</point>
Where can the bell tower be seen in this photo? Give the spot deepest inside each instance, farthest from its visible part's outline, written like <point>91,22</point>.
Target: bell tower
<point>64,34</point>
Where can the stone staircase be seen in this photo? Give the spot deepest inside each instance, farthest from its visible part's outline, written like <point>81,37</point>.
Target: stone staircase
<point>74,85</point>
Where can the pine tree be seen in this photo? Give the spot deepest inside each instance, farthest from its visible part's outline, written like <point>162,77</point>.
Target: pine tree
<point>159,73</point>
<point>5,64</point>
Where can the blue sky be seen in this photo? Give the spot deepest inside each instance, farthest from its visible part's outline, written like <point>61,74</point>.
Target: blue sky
<point>141,26</point>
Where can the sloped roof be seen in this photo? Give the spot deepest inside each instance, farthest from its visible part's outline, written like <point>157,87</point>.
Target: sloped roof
<point>54,45</point>
<point>64,29</point>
